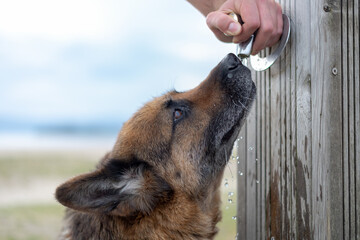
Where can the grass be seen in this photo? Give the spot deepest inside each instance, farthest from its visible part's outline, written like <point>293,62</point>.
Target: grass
<point>43,221</point>
<point>31,222</point>
<point>23,166</point>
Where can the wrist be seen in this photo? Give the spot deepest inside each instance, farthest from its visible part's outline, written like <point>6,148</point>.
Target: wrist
<point>206,6</point>
<point>216,4</point>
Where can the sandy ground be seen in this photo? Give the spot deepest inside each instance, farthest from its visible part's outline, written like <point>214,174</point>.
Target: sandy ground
<point>19,194</point>
<point>36,191</point>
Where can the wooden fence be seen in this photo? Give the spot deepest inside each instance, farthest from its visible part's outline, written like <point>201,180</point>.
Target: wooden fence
<point>300,147</point>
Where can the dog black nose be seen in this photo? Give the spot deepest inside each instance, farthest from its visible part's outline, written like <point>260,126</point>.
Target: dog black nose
<point>231,61</point>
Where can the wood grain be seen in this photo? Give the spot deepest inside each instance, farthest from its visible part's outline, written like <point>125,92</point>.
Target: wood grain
<point>305,130</point>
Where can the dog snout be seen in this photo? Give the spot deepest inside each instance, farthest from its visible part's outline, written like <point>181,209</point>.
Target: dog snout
<point>231,62</point>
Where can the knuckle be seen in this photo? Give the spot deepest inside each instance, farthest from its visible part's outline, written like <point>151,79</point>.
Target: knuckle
<point>209,23</point>
<point>209,18</point>
<point>216,20</point>
<point>255,24</point>
<point>267,28</point>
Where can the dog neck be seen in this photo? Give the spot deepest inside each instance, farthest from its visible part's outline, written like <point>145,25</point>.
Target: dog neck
<point>179,219</point>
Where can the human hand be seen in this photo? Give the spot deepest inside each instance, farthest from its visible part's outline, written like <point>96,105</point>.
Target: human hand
<point>262,15</point>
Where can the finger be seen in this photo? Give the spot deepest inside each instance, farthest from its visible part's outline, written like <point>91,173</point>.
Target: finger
<point>221,36</point>
<point>277,34</point>
<point>268,25</point>
<point>220,21</point>
<point>250,16</point>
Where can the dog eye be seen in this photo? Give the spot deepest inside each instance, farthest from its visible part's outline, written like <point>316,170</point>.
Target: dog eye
<point>177,114</point>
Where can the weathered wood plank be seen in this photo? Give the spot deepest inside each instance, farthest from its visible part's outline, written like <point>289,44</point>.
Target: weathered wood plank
<point>257,167</point>
<point>260,214</point>
<point>307,128</point>
<point>262,155</point>
<point>345,140</point>
<point>326,120</point>
<point>354,131</point>
<point>303,123</point>
<point>241,185</point>
<point>345,89</point>
<point>250,175</point>
<point>267,140</point>
<point>350,120</point>
<point>293,121</point>
<point>275,151</point>
<point>357,116</point>
<point>287,142</point>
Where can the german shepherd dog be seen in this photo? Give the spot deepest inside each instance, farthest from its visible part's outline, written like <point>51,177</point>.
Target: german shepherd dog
<point>162,178</point>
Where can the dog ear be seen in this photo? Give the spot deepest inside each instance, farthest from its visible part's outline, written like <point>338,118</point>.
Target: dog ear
<point>119,188</point>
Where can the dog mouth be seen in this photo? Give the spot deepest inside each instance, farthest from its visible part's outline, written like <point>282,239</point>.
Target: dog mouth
<point>238,94</point>
<point>228,135</point>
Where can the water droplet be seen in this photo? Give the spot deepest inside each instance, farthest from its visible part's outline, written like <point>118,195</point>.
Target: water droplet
<point>257,181</point>
<point>241,137</point>
<point>234,218</point>
<point>230,75</point>
<point>237,157</point>
<point>226,183</point>
<point>241,173</point>
<point>256,159</point>
<point>231,194</point>
<point>227,207</point>
<point>238,162</point>
<point>230,200</point>
<point>250,148</point>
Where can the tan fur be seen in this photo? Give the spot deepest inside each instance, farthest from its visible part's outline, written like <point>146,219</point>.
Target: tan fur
<point>168,187</point>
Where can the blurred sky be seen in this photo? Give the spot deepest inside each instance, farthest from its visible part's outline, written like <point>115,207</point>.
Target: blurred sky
<point>86,62</point>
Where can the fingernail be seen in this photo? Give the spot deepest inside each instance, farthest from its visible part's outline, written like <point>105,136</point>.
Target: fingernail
<point>234,28</point>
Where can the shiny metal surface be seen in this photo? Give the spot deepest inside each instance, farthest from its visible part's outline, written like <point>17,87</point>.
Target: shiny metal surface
<point>260,64</point>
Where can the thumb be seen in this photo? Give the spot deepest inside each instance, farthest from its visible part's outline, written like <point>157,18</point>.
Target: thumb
<point>220,21</point>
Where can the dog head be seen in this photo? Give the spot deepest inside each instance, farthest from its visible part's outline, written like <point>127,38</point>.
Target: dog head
<point>177,144</point>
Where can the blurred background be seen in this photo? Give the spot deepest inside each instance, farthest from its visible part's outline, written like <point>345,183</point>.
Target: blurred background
<point>71,73</point>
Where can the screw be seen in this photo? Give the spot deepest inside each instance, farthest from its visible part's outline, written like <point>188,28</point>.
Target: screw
<point>327,8</point>
<point>334,71</point>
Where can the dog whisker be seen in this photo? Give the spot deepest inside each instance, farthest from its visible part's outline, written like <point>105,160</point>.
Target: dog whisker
<point>247,98</point>
<point>228,165</point>
<point>242,105</point>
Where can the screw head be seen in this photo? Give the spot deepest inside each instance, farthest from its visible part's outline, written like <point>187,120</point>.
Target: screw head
<point>327,8</point>
<point>334,71</point>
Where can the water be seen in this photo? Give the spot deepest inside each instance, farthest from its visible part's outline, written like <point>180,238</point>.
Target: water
<point>226,183</point>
